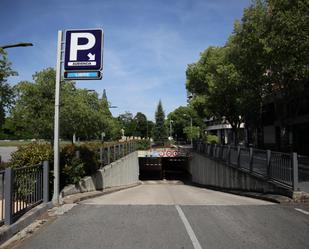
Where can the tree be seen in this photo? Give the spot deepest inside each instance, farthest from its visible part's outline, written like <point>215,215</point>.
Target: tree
<point>181,119</point>
<point>141,126</point>
<point>192,132</point>
<point>6,91</point>
<point>81,112</point>
<point>271,44</point>
<point>159,132</point>
<point>150,128</point>
<point>221,88</point>
<point>128,123</point>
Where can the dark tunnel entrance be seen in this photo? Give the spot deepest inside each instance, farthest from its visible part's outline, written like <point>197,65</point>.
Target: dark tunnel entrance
<point>159,168</point>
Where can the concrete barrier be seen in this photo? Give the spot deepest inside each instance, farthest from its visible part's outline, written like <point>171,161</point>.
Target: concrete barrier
<point>209,172</point>
<point>122,172</point>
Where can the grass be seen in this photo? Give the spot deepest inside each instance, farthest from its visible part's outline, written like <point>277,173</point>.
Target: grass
<point>5,143</point>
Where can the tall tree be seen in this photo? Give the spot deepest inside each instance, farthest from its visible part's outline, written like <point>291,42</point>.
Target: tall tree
<point>270,47</point>
<point>81,112</point>
<point>141,126</point>
<point>181,117</point>
<point>128,123</point>
<point>215,78</point>
<point>6,91</point>
<point>159,132</point>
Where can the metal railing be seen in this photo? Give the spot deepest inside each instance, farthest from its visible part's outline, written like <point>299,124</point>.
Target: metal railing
<point>109,154</point>
<point>22,189</point>
<point>279,167</point>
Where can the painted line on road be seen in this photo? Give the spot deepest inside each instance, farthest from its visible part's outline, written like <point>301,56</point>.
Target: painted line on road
<point>195,242</point>
<point>302,211</point>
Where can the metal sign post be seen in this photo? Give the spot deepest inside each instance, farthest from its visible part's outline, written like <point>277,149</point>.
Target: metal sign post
<point>83,55</point>
<point>56,125</point>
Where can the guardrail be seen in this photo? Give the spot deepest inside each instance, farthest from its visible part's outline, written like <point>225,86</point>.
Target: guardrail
<point>276,166</point>
<point>22,189</point>
<point>109,154</point>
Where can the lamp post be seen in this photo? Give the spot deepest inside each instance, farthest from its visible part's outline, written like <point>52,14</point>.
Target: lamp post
<point>171,121</point>
<point>21,44</point>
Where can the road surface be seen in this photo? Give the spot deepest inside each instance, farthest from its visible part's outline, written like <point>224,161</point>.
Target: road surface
<point>5,152</point>
<point>175,216</point>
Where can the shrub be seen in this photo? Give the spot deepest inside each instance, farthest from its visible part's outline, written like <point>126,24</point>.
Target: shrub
<point>31,154</point>
<point>143,144</point>
<point>73,168</point>
<point>72,171</point>
<point>90,158</point>
<point>212,139</point>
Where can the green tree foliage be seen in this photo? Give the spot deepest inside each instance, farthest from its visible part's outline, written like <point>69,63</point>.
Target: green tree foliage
<point>135,126</point>
<point>181,119</point>
<point>264,59</point>
<point>81,112</point>
<point>271,47</point>
<point>221,88</point>
<point>6,91</point>
<point>160,132</point>
<point>128,123</point>
<point>192,132</point>
<point>141,125</point>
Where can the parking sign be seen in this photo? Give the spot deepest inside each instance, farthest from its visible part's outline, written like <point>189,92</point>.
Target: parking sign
<point>83,50</point>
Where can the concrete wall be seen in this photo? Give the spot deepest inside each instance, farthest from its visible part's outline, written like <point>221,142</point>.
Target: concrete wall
<point>208,172</point>
<point>122,172</point>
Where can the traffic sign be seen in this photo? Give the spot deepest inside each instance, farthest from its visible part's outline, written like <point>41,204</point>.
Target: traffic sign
<point>83,50</point>
<point>95,75</point>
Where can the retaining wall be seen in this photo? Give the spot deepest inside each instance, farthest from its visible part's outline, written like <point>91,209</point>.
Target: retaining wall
<point>124,171</point>
<point>213,173</point>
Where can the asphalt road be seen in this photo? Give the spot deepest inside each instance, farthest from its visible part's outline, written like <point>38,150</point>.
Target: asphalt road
<point>159,216</point>
<point>5,152</point>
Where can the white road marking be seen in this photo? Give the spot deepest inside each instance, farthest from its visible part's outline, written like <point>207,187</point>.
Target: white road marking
<point>302,211</point>
<point>189,229</point>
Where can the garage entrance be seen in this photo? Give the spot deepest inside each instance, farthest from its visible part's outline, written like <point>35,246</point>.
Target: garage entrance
<point>159,168</point>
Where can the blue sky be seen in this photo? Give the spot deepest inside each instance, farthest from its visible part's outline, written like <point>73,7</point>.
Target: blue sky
<point>147,44</point>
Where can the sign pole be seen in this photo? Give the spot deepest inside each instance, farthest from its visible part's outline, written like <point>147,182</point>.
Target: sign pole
<point>56,125</point>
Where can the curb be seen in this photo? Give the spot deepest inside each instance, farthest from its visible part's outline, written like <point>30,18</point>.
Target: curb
<point>281,199</point>
<point>70,199</point>
<point>6,232</point>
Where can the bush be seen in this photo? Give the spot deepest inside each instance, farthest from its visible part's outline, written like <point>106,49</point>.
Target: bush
<point>73,169</point>
<point>90,158</point>
<point>31,154</point>
<point>212,139</point>
<point>143,144</point>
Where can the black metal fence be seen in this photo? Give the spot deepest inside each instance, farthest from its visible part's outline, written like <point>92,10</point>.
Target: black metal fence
<point>22,189</point>
<point>271,165</point>
<point>109,154</point>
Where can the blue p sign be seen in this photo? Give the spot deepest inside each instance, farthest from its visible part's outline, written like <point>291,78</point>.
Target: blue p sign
<point>83,50</point>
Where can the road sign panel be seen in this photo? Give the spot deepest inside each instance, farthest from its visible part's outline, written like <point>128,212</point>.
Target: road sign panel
<point>83,50</point>
<point>95,75</point>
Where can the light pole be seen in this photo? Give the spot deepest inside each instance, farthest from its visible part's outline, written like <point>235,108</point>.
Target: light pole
<point>21,44</point>
<point>185,115</point>
<point>171,121</point>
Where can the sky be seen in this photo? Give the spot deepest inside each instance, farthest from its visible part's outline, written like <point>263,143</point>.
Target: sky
<point>147,43</point>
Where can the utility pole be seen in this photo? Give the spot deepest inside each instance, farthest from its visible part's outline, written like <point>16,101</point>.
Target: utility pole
<point>56,124</point>
<point>171,121</point>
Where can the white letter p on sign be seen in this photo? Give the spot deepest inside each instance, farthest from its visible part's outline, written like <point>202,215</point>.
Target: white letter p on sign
<point>74,44</point>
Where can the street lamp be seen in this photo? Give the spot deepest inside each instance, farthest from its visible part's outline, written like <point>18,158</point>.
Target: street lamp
<point>21,44</point>
<point>185,115</point>
<point>171,121</point>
